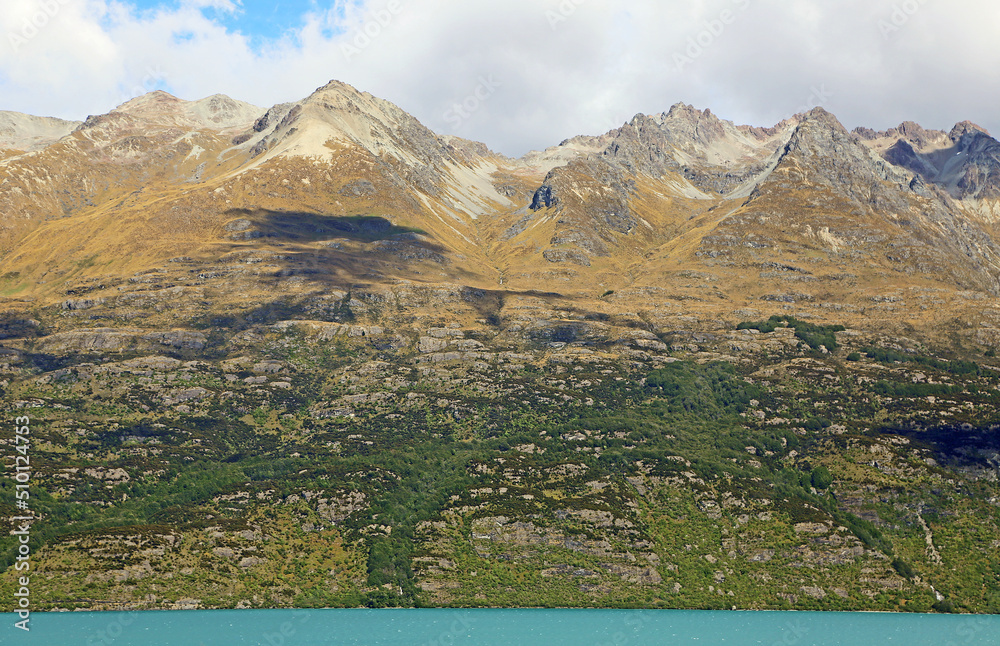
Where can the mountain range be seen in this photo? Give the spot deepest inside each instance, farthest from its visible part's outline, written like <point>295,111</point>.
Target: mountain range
<point>680,191</point>
<point>319,355</point>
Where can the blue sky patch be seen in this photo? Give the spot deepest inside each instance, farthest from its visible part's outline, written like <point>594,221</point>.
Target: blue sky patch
<point>260,20</point>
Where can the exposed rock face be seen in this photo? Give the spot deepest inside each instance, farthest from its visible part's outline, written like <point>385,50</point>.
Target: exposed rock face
<point>860,191</point>
<point>964,162</point>
<point>902,154</point>
<point>981,173</point>
<point>564,255</point>
<point>359,188</point>
<point>542,198</point>
<point>118,340</point>
<point>273,116</point>
<point>821,147</point>
<point>642,146</point>
<point>698,128</point>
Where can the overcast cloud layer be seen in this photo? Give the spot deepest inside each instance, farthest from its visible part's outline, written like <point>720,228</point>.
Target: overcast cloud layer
<point>525,74</point>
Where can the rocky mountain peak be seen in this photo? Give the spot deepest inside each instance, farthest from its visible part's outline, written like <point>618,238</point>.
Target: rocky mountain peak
<point>335,93</point>
<point>820,116</point>
<point>818,133</point>
<point>964,162</point>
<point>334,85</point>
<point>913,134</point>
<point>642,145</point>
<point>867,134</point>
<point>685,122</point>
<point>978,157</point>
<point>840,165</point>
<point>158,100</point>
<point>965,128</point>
<point>970,138</point>
<point>339,112</point>
<point>224,111</point>
<point>214,112</point>
<point>681,110</point>
<point>338,96</point>
<point>763,133</point>
<point>912,131</point>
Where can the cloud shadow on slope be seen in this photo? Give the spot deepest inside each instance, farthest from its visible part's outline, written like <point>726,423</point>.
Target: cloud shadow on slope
<point>304,227</point>
<point>338,250</point>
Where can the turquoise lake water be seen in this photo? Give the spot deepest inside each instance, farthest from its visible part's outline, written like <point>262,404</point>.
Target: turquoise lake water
<point>495,627</point>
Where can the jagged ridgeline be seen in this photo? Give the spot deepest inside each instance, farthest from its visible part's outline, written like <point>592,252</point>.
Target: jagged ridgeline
<point>318,355</point>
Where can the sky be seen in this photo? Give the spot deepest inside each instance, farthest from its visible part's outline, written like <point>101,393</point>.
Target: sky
<point>518,74</point>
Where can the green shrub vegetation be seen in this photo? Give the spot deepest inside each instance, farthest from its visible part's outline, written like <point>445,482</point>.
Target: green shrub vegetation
<point>955,367</point>
<point>896,389</point>
<point>903,568</point>
<point>809,333</point>
<point>821,478</point>
<point>536,483</point>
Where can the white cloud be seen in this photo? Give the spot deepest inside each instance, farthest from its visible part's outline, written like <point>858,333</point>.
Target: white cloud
<point>561,67</point>
<point>219,5</point>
